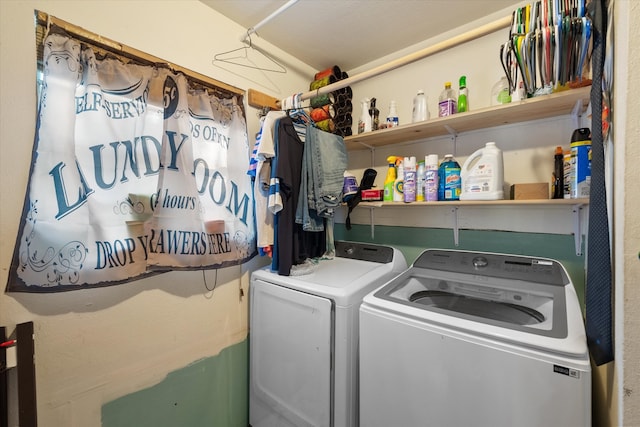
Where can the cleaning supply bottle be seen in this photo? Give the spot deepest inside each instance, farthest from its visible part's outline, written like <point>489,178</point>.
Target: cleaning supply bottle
<point>500,93</point>
<point>420,111</point>
<point>567,174</point>
<point>410,178</point>
<point>580,163</point>
<point>557,179</point>
<point>390,180</point>
<point>375,115</point>
<point>398,185</point>
<point>463,95</point>
<point>447,101</point>
<point>364,124</point>
<point>431,178</point>
<point>482,174</point>
<point>420,182</point>
<point>392,118</point>
<point>449,183</point>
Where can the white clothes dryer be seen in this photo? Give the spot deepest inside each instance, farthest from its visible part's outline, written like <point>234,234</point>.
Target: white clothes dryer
<point>474,339</point>
<point>303,338</point>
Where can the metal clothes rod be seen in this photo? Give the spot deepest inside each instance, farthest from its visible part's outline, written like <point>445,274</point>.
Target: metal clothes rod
<point>253,29</point>
<point>405,60</point>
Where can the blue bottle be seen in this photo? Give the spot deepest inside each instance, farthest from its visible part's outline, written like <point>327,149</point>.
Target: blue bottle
<point>449,182</point>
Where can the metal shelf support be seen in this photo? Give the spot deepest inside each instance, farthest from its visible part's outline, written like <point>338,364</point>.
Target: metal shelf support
<point>577,228</point>
<point>456,231</point>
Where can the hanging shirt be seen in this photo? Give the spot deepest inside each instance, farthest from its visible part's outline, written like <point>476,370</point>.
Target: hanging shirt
<point>293,245</point>
<point>265,152</point>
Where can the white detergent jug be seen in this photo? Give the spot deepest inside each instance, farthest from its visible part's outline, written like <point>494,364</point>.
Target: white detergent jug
<point>483,174</point>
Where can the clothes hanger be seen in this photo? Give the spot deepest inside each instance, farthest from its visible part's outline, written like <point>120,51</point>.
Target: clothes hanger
<point>297,112</point>
<point>240,56</point>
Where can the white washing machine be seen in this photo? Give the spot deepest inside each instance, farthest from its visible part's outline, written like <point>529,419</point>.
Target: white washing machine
<point>304,337</point>
<point>474,339</point>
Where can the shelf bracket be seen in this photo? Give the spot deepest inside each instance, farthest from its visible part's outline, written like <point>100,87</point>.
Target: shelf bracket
<point>576,113</point>
<point>454,137</point>
<point>456,236</point>
<point>372,224</point>
<point>577,228</point>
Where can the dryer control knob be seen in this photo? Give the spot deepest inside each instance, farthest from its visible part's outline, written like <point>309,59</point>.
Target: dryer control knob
<point>480,262</point>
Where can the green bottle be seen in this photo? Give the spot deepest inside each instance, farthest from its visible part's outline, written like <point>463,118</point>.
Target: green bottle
<point>463,94</point>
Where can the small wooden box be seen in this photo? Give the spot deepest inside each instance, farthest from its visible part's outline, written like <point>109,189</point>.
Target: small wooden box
<point>538,190</point>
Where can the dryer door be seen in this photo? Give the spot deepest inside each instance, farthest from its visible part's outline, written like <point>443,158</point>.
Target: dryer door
<point>290,352</point>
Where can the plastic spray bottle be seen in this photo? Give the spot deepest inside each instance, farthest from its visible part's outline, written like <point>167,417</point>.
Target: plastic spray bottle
<point>375,115</point>
<point>410,175</point>
<point>364,124</point>
<point>420,111</point>
<point>390,180</point>
<point>398,185</point>
<point>463,96</point>
<point>392,118</point>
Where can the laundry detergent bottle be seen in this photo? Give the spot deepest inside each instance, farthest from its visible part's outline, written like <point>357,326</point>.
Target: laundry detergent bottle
<point>390,179</point>
<point>483,174</point>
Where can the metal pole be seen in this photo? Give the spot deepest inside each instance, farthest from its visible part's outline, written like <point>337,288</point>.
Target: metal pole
<point>253,29</point>
<point>405,60</point>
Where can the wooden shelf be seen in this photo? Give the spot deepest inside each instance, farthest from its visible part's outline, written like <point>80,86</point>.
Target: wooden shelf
<point>541,107</point>
<point>536,202</point>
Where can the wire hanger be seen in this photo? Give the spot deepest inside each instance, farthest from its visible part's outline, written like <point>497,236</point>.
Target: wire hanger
<point>242,58</point>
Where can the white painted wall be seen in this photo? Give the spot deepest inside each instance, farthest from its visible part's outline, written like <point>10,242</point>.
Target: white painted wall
<point>528,148</point>
<point>93,346</point>
<point>90,341</point>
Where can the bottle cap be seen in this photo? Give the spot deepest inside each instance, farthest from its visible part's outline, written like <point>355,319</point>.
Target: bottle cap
<point>420,92</point>
<point>558,150</point>
<point>447,85</point>
<point>431,159</point>
<point>463,81</point>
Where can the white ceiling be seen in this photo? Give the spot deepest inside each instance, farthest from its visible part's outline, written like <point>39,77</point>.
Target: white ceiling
<point>351,33</point>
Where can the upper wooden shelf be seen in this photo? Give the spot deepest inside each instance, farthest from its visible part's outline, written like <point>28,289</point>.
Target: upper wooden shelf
<point>541,107</point>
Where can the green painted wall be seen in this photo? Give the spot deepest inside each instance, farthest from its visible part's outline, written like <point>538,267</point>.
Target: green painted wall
<point>212,392</point>
<point>411,241</point>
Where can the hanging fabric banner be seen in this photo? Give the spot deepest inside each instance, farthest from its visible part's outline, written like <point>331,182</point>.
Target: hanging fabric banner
<point>133,173</point>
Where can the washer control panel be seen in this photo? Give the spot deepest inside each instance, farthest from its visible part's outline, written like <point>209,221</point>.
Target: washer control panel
<point>538,270</point>
<point>364,252</point>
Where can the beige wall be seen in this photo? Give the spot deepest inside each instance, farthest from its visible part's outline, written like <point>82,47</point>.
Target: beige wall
<point>96,345</point>
<point>93,346</point>
<point>626,205</point>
